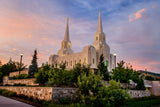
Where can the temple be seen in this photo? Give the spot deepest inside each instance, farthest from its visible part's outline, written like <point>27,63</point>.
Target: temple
<point>90,54</point>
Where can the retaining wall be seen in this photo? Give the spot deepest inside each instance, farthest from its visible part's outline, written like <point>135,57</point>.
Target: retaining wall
<point>29,81</point>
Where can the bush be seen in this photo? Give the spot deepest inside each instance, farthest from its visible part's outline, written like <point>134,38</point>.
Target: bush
<point>66,100</point>
<point>21,76</point>
<point>19,84</point>
<point>12,94</point>
<point>1,90</point>
<point>5,92</point>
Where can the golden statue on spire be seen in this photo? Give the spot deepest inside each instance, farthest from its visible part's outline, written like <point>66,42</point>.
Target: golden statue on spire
<point>67,18</point>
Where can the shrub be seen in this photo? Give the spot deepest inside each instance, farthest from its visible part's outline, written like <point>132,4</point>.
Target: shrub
<point>5,92</point>
<point>19,84</point>
<point>12,94</point>
<point>21,76</point>
<point>66,100</point>
<point>1,90</point>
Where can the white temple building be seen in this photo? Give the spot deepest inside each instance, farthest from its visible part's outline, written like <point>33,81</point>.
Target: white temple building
<point>90,54</point>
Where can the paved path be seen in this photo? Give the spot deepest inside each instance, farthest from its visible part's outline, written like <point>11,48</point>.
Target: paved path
<point>7,102</point>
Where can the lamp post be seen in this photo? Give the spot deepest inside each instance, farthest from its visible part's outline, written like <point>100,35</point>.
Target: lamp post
<point>115,59</point>
<point>21,55</point>
<point>145,69</point>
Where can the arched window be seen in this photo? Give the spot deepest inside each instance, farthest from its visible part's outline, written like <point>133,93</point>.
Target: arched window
<point>71,63</point>
<point>67,63</point>
<point>75,62</point>
<point>80,61</point>
<point>93,60</point>
<point>85,61</point>
<point>96,38</point>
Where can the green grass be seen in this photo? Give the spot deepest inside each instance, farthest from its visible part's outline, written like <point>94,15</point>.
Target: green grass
<point>143,103</point>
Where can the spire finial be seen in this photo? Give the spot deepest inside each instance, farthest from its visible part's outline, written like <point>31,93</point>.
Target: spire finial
<point>66,37</point>
<point>99,29</point>
<point>67,19</point>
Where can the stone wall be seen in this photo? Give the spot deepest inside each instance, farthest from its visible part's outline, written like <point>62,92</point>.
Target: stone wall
<point>123,85</point>
<point>29,81</point>
<point>58,92</point>
<point>155,88</point>
<point>43,93</point>
<point>138,93</point>
<point>17,73</point>
<point>53,93</point>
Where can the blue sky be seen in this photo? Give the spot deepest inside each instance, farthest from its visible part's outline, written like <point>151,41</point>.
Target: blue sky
<point>131,28</point>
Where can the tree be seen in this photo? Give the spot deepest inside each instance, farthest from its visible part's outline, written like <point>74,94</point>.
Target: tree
<point>0,63</point>
<point>115,95</point>
<point>92,92</point>
<point>124,74</point>
<point>41,77</point>
<point>102,68</point>
<point>19,66</point>
<point>1,77</point>
<point>121,73</point>
<point>33,68</point>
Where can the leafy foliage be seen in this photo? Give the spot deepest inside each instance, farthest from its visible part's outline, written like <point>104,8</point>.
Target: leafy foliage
<point>149,78</point>
<point>33,68</point>
<point>61,77</point>
<point>92,92</point>
<point>115,95</point>
<point>21,76</point>
<point>124,74</point>
<point>102,68</point>
<point>1,77</point>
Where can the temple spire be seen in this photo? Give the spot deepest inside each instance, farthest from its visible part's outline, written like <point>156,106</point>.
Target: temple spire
<point>66,37</point>
<point>99,28</point>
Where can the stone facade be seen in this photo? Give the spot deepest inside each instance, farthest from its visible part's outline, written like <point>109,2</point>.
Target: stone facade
<point>58,92</point>
<point>154,87</point>
<point>90,54</point>
<point>11,74</point>
<point>53,93</point>
<point>138,93</point>
<point>43,93</point>
<point>29,81</point>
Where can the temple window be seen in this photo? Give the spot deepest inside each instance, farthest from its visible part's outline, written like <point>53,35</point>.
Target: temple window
<point>85,61</point>
<point>71,63</point>
<point>96,38</point>
<point>93,60</point>
<point>80,61</point>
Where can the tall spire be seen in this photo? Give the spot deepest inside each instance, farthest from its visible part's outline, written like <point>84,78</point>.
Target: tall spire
<point>99,29</point>
<point>66,37</point>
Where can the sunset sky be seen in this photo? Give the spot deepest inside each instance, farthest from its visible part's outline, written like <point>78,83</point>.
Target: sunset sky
<point>132,28</point>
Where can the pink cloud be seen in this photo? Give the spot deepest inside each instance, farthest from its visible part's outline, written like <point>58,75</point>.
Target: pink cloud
<point>29,36</point>
<point>137,15</point>
<point>155,6</point>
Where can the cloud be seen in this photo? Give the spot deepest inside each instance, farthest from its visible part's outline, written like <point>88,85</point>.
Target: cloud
<point>14,49</point>
<point>137,15</point>
<point>155,6</point>
<point>44,38</point>
<point>29,36</point>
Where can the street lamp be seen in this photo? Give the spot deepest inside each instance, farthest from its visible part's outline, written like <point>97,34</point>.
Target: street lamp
<point>115,59</point>
<point>145,68</point>
<point>21,55</point>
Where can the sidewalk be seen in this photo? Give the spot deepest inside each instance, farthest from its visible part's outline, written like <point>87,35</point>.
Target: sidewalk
<point>7,102</point>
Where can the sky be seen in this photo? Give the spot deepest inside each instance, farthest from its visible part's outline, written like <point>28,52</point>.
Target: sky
<point>132,29</point>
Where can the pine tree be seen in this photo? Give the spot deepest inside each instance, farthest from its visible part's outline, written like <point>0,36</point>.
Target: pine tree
<point>102,68</point>
<point>33,68</point>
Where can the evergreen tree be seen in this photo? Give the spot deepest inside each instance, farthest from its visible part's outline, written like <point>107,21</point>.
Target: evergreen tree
<point>102,68</point>
<point>33,68</point>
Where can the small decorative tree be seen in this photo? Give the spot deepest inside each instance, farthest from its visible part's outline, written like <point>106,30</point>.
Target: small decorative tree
<point>102,68</point>
<point>33,68</point>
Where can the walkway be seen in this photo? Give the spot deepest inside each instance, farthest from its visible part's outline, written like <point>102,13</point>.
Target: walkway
<point>7,102</point>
